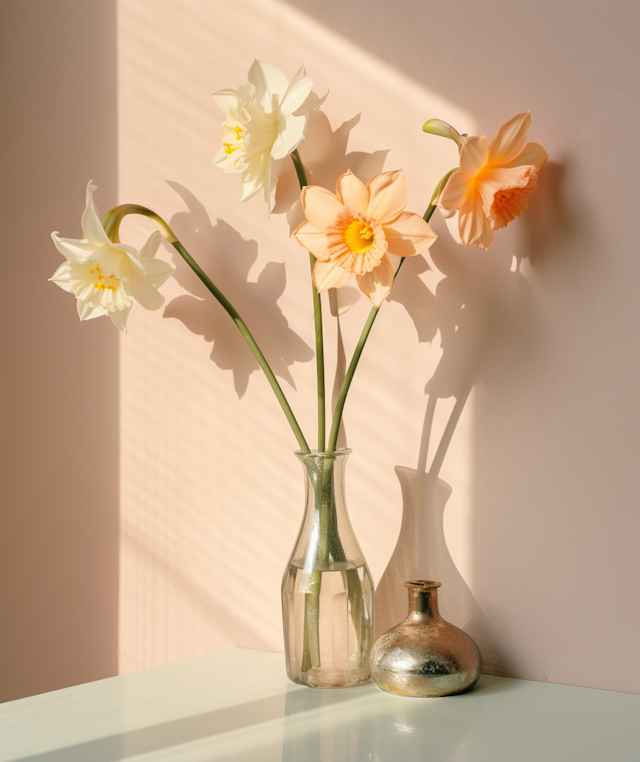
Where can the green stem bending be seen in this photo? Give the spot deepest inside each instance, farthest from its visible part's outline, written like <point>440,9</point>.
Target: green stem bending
<point>111,223</point>
<point>317,319</point>
<point>346,384</point>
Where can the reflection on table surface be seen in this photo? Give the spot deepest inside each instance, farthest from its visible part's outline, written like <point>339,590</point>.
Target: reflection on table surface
<point>238,706</point>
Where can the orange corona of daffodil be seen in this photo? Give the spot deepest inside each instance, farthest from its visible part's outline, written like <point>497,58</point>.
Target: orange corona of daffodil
<point>494,181</point>
<point>355,231</point>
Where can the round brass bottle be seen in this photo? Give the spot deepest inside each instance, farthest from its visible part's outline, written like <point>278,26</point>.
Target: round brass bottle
<point>424,655</point>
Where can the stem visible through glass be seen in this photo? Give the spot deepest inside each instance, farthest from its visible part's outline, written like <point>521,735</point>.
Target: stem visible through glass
<point>330,551</point>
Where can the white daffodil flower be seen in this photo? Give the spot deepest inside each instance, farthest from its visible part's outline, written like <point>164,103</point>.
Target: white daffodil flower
<point>266,120</point>
<point>107,278</point>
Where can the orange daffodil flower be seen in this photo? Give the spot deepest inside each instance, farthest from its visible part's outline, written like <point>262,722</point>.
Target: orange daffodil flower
<point>494,181</point>
<point>355,231</point>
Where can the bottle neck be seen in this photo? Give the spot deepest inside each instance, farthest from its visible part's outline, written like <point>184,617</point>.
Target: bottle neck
<point>423,601</point>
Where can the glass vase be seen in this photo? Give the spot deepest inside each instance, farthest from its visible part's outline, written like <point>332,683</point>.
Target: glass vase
<point>327,590</point>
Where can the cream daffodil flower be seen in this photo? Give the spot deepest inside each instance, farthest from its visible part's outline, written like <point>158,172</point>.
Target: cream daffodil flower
<point>265,120</point>
<point>107,278</point>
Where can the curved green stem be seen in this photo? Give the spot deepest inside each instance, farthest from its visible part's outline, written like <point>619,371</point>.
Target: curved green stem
<point>317,319</point>
<point>346,384</point>
<point>111,223</point>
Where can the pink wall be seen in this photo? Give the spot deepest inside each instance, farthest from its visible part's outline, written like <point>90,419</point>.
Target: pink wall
<point>541,522</point>
<point>535,535</point>
<point>59,508</point>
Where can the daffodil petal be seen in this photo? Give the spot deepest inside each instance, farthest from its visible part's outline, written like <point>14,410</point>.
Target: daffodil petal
<point>388,196</point>
<point>119,318</point>
<point>320,206</point>
<point>62,276</point>
<point>124,247</point>
<point>327,274</point>
<point>376,285</point>
<point>244,94</point>
<point>511,139</point>
<point>500,179</point>
<point>297,92</point>
<point>474,154</point>
<point>409,235</point>
<point>485,239</point>
<point>90,190</point>
<point>263,131</point>
<point>470,219</point>
<point>473,225</point>
<point>533,154</point>
<point>255,176</point>
<point>88,311</point>
<point>290,134</point>
<point>268,81</point>
<point>114,262</point>
<point>352,192</point>
<point>394,261</point>
<point>74,250</point>
<point>92,227</point>
<point>150,246</point>
<point>222,160</point>
<point>225,99</point>
<point>455,192</point>
<point>143,291</point>
<point>157,271</point>
<point>313,240</point>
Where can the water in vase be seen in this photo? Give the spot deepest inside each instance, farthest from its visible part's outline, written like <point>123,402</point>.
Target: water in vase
<point>327,618</point>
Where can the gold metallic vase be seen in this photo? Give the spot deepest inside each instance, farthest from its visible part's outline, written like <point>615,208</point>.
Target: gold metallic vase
<point>424,655</point>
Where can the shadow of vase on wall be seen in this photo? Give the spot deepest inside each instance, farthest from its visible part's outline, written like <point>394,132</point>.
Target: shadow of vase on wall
<point>421,552</point>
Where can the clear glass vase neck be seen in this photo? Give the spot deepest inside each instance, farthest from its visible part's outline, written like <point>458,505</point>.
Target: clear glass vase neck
<point>326,539</point>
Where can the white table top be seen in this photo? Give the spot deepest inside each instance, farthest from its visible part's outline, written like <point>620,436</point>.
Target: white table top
<point>239,706</point>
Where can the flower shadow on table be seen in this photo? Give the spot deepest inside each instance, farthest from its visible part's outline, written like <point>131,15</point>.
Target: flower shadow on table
<point>227,258</point>
<point>483,312</point>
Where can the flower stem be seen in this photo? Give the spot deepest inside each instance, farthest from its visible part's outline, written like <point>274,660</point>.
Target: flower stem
<point>111,223</point>
<point>317,319</point>
<point>337,413</point>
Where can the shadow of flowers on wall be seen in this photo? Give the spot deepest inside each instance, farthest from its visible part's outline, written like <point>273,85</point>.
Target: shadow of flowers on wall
<point>228,258</point>
<point>325,157</point>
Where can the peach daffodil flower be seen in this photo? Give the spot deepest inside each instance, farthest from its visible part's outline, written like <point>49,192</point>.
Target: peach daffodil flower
<point>356,229</point>
<point>494,181</point>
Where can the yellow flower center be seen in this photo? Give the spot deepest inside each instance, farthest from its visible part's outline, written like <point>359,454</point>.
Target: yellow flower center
<point>231,147</point>
<point>359,237</point>
<point>110,283</point>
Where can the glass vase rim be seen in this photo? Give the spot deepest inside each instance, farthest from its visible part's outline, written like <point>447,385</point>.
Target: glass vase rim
<point>343,452</point>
